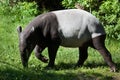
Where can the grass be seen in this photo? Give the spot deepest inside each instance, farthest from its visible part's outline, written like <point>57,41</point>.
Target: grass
<point>11,69</point>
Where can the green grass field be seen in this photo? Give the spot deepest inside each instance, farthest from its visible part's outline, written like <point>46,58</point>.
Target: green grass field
<point>11,68</point>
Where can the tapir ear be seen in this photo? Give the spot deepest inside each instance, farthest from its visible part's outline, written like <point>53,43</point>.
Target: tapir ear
<point>19,29</point>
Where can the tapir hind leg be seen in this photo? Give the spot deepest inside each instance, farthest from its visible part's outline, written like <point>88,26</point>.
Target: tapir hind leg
<point>38,53</point>
<point>83,54</point>
<point>98,43</point>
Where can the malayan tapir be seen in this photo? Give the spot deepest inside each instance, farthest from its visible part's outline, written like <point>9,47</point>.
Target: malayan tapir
<point>73,28</point>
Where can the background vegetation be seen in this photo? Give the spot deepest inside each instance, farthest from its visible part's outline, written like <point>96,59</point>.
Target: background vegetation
<point>20,12</point>
<point>105,10</point>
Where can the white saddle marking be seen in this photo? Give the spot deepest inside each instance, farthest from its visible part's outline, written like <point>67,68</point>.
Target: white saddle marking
<point>77,26</point>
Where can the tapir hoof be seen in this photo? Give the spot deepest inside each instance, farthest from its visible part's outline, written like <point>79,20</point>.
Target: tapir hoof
<point>79,64</point>
<point>44,59</point>
<point>113,69</point>
<point>25,65</point>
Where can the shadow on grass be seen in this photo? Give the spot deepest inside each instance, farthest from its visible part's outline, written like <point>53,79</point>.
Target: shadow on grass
<point>11,72</point>
<point>90,65</point>
<point>95,65</point>
<point>65,66</point>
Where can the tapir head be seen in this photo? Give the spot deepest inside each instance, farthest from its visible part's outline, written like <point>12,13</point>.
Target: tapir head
<point>26,44</point>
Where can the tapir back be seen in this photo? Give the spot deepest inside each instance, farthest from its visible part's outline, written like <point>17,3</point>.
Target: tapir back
<point>77,26</point>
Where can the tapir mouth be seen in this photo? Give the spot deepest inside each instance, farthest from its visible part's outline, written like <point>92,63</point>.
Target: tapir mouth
<point>24,58</point>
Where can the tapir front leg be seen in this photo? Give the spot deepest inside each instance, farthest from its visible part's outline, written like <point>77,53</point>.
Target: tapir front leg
<point>52,50</point>
<point>38,53</point>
